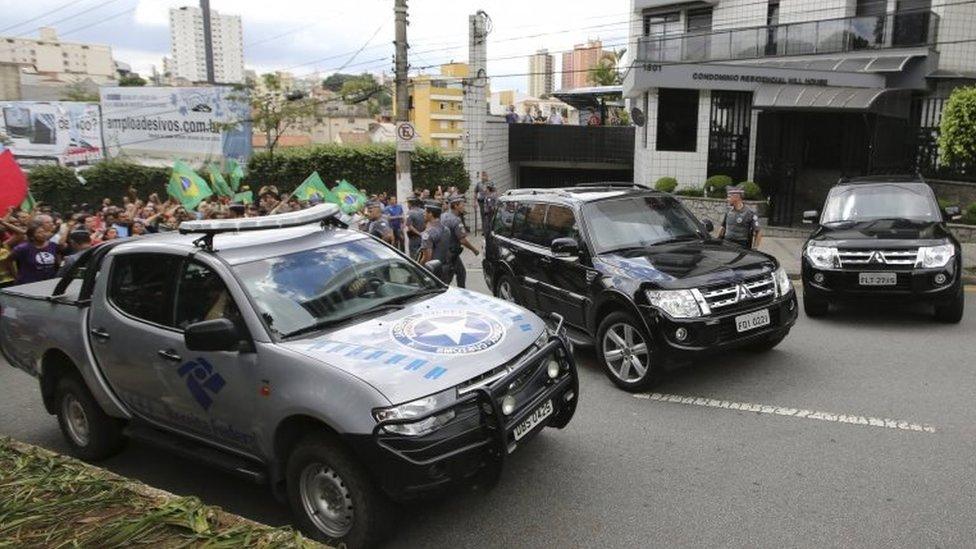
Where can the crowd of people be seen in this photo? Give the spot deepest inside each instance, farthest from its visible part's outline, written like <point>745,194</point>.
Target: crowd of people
<point>42,244</point>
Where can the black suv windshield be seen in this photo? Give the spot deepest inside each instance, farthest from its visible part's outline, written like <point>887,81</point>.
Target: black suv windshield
<point>874,202</point>
<point>638,222</point>
<point>298,292</point>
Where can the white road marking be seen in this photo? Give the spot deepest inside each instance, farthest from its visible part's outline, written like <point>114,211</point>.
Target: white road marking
<point>789,412</point>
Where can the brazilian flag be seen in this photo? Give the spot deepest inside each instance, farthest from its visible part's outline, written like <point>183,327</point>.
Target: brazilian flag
<point>246,197</point>
<point>187,187</point>
<point>236,174</point>
<point>29,203</point>
<point>218,183</point>
<point>314,186</point>
<point>350,199</point>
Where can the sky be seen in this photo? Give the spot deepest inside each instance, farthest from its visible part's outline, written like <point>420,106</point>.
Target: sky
<point>322,36</point>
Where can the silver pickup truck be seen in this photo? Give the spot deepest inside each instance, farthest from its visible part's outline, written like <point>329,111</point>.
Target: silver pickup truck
<point>292,351</point>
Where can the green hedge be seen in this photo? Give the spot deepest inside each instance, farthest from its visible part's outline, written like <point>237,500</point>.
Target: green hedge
<point>666,184</point>
<point>715,186</point>
<point>969,215</point>
<point>751,190</point>
<point>60,187</point>
<point>690,191</point>
<point>372,167</point>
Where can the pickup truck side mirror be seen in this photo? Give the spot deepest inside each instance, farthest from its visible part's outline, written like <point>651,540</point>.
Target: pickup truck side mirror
<point>952,212</point>
<point>709,226</point>
<point>434,266</point>
<point>212,335</point>
<point>564,247</point>
<point>811,216</point>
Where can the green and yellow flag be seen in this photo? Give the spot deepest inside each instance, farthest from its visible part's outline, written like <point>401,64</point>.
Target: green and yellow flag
<point>236,174</point>
<point>314,186</point>
<point>350,199</point>
<point>187,187</point>
<point>246,197</point>
<point>29,203</point>
<point>218,183</point>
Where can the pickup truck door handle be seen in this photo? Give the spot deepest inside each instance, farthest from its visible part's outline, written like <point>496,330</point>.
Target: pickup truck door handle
<point>100,333</point>
<point>169,354</point>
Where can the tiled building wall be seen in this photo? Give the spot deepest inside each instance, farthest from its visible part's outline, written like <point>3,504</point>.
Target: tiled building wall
<point>689,168</point>
<point>957,35</point>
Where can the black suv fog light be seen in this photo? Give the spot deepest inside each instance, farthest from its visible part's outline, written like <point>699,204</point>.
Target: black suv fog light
<point>681,334</point>
<point>818,278</point>
<point>941,278</point>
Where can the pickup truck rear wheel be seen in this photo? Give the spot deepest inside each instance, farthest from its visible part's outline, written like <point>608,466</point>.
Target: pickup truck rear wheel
<point>91,434</point>
<point>332,497</point>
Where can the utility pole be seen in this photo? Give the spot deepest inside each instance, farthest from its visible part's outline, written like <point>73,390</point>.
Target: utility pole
<point>404,183</point>
<point>208,40</point>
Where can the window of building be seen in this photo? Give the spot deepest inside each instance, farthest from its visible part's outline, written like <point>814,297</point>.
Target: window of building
<point>677,120</point>
<point>445,125</point>
<point>659,25</point>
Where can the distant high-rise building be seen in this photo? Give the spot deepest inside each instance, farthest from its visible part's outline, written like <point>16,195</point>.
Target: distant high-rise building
<point>187,45</point>
<point>58,60</point>
<point>578,63</point>
<point>540,74</point>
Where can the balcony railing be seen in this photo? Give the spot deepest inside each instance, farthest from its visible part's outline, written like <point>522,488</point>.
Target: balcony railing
<point>872,32</point>
<point>567,143</point>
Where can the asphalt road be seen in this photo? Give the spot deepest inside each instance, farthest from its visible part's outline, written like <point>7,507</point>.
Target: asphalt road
<point>645,472</point>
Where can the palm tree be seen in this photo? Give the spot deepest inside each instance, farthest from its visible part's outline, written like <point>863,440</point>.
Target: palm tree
<point>606,72</point>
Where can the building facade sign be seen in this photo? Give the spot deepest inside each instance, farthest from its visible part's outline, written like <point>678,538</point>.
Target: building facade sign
<point>698,76</point>
<point>52,133</point>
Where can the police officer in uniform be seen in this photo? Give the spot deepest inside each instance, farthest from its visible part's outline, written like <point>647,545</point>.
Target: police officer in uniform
<point>488,209</point>
<point>434,241</point>
<point>740,224</point>
<point>458,236</point>
<point>415,224</point>
<point>378,225</point>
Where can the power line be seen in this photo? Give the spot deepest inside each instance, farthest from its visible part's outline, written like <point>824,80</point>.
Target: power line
<point>41,16</point>
<point>99,22</point>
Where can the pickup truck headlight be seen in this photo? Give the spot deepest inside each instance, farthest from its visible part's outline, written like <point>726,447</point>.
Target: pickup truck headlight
<point>783,283</point>
<point>676,303</point>
<point>417,408</point>
<point>934,257</point>
<point>823,257</point>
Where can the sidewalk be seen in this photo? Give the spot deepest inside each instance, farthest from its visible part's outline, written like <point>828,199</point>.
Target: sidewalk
<point>785,250</point>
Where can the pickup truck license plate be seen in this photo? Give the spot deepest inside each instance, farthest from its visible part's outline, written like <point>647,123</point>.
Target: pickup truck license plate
<point>751,321</point>
<point>541,413</point>
<point>877,279</point>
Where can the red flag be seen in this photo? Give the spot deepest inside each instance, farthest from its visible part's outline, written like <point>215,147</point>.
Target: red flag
<point>13,182</point>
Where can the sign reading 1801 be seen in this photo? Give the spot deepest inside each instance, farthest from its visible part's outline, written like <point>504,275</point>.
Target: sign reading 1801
<point>406,135</point>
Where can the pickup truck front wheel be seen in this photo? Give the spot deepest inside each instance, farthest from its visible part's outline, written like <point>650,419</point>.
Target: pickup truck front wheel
<point>91,434</point>
<point>332,497</point>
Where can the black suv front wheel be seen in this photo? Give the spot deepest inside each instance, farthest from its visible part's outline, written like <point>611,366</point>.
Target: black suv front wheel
<point>627,352</point>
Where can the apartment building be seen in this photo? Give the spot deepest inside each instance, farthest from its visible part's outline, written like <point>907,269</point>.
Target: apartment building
<point>436,107</point>
<point>578,63</point>
<point>794,93</point>
<point>540,74</point>
<point>64,62</point>
<point>188,53</point>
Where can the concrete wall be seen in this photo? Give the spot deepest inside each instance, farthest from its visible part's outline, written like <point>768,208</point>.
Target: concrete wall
<point>9,82</point>
<point>689,168</point>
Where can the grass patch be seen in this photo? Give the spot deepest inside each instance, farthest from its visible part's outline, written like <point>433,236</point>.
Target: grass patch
<point>49,500</point>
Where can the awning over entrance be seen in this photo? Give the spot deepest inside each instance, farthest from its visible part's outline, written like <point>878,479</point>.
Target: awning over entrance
<point>880,62</point>
<point>889,102</point>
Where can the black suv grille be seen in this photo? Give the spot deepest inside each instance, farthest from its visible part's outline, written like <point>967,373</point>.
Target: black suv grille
<point>734,297</point>
<point>880,260</point>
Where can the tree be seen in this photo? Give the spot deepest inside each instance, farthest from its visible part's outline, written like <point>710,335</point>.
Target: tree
<point>275,112</point>
<point>335,81</point>
<point>78,92</point>
<point>132,80</point>
<point>957,132</point>
<point>365,89</point>
<point>606,72</point>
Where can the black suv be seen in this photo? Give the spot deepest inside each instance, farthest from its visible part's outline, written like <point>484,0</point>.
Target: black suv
<point>883,238</point>
<point>637,275</point>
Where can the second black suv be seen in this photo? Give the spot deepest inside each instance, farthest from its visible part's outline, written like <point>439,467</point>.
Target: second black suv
<point>637,275</point>
<point>884,238</point>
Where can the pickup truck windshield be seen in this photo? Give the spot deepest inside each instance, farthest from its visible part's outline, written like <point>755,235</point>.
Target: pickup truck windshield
<point>871,203</point>
<point>297,292</point>
<point>638,222</point>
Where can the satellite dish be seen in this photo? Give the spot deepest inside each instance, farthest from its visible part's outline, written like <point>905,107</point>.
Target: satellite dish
<point>637,116</point>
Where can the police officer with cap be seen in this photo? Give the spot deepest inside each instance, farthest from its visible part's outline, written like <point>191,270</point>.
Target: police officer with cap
<point>415,223</point>
<point>378,225</point>
<point>458,237</point>
<point>740,224</point>
<point>434,241</point>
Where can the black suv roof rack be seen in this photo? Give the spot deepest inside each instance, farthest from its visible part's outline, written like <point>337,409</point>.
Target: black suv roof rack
<point>883,178</point>
<point>620,184</point>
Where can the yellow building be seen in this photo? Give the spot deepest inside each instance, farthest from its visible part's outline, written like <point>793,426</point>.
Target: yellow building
<point>435,107</point>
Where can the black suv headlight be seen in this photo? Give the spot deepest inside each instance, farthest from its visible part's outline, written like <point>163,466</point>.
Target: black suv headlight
<point>676,303</point>
<point>935,257</point>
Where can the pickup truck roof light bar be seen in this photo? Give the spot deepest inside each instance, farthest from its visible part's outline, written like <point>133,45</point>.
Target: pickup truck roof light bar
<point>326,214</point>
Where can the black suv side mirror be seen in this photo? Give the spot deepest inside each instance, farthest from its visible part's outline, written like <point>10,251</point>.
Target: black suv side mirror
<point>952,212</point>
<point>709,226</point>
<point>811,216</point>
<point>434,266</point>
<point>564,247</point>
<point>212,335</point>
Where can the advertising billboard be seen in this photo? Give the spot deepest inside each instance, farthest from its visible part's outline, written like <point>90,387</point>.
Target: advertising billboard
<point>58,132</point>
<point>159,125</point>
